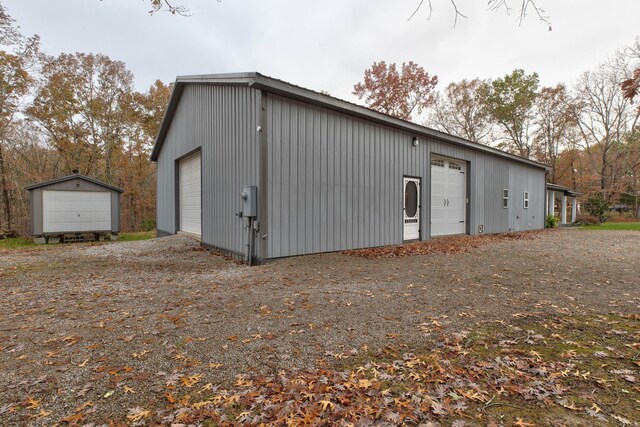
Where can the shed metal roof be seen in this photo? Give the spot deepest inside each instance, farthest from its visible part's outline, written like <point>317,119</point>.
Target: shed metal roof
<point>567,190</point>
<point>69,178</point>
<point>280,87</point>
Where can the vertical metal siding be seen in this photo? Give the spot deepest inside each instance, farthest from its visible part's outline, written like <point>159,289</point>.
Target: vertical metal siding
<point>222,122</point>
<point>35,196</point>
<point>349,192</point>
<point>335,181</point>
<point>115,211</point>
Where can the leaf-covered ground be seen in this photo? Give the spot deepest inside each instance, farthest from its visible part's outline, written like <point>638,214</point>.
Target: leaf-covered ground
<point>513,332</point>
<point>561,371</point>
<point>446,245</point>
<point>557,371</point>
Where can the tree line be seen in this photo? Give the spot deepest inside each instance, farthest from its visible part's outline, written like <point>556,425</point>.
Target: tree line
<point>72,112</point>
<point>588,132</point>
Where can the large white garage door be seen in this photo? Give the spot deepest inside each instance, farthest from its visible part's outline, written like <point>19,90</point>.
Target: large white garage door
<point>76,211</point>
<point>448,196</point>
<point>190,195</point>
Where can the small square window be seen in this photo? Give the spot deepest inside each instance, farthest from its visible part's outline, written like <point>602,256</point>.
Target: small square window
<point>525,199</point>
<point>505,198</point>
<point>437,162</point>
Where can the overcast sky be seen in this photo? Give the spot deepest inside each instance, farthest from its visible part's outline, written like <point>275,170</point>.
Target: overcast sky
<point>327,45</point>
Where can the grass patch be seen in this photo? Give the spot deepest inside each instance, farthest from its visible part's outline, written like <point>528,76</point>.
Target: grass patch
<point>140,235</point>
<point>623,226</point>
<point>16,242</point>
<point>27,242</point>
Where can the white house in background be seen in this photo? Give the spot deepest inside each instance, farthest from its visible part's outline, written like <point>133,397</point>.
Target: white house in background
<point>563,195</point>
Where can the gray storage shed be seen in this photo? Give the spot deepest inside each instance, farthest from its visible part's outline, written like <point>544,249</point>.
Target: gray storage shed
<point>326,174</point>
<point>74,204</point>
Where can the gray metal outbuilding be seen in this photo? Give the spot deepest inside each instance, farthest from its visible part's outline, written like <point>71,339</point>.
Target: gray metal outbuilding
<point>74,204</point>
<point>327,175</point>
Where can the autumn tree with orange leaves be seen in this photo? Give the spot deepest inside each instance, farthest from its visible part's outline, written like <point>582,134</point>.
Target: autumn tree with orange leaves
<point>403,93</point>
<point>74,111</point>
<point>97,124</point>
<point>18,58</point>
<point>631,86</point>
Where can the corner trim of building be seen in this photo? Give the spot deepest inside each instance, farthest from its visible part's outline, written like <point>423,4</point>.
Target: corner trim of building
<point>263,179</point>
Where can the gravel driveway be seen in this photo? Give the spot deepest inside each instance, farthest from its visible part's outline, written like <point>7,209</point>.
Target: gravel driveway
<point>113,324</point>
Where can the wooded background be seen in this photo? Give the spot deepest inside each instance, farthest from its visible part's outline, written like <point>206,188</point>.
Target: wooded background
<point>80,111</point>
<point>588,132</point>
<point>75,111</point>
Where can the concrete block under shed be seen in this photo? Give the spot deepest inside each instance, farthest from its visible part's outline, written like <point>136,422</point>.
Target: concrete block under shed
<point>39,240</point>
<point>115,236</point>
<point>53,239</point>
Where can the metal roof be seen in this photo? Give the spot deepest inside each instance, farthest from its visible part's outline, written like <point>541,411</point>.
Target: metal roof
<point>69,178</point>
<point>271,85</point>
<point>556,187</point>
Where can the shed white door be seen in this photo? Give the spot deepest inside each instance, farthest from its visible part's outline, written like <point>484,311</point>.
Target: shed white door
<point>411,208</point>
<point>448,196</point>
<point>76,211</point>
<point>190,194</point>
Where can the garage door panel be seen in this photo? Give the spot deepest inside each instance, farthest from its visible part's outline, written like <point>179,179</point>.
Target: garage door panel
<point>76,211</point>
<point>438,191</point>
<point>189,174</point>
<point>448,197</point>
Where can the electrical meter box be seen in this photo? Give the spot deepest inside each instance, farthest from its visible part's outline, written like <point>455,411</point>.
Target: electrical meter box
<point>249,201</point>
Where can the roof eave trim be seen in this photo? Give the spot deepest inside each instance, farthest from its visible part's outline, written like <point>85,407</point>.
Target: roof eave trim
<point>267,84</point>
<point>233,79</point>
<point>166,119</point>
<point>280,88</point>
<point>69,178</point>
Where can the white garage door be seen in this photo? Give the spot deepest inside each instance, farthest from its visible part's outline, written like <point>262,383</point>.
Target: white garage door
<point>448,197</point>
<point>76,211</point>
<point>190,195</point>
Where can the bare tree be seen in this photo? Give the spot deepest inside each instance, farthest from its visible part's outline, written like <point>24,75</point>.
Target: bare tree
<point>168,6</point>
<point>604,116</point>
<point>524,8</point>
<point>554,125</point>
<point>29,160</point>
<point>460,110</point>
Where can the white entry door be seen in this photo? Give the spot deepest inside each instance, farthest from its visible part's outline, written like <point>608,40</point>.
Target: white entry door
<point>448,196</point>
<point>411,208</point>
<point>76,211</point>
<point>190,199</point>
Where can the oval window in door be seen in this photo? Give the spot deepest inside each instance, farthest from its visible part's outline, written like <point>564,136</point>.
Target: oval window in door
<point>410,199</point>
